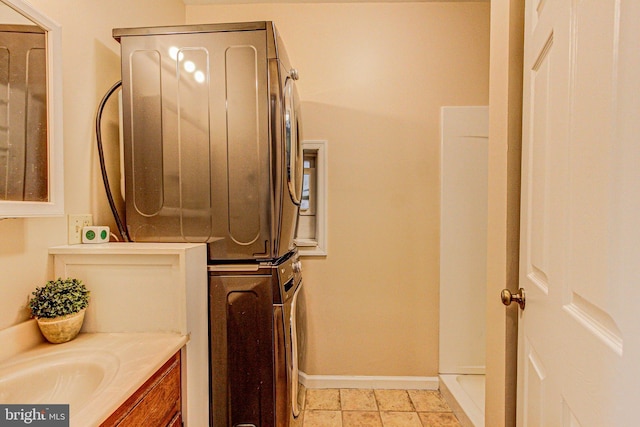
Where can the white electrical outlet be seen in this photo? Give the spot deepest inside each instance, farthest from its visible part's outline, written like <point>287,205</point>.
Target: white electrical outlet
<point>76,223</point>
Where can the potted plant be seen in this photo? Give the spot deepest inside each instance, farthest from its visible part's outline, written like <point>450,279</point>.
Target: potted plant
<point>59,308</point>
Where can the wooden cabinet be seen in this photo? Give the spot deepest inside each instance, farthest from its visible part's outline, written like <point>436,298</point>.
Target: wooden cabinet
<point>156,403</point>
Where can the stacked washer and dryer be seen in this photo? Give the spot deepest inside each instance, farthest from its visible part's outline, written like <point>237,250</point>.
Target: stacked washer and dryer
<point>212,154</point>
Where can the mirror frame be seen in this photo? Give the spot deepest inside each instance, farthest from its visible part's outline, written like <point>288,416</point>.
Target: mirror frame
<point>55,205</point>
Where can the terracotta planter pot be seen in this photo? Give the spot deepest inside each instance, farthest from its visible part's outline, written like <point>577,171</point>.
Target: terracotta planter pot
<point>61,329</point>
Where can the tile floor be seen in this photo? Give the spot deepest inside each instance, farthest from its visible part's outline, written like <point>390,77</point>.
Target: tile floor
<point>376,408</point>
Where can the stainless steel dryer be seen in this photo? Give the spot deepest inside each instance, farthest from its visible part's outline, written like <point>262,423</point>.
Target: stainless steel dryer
<point>212,145</point>
<point>255,343</point>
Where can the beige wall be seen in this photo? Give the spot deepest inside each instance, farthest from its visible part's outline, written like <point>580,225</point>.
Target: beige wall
<point>90,65</point>
<point>373,77</point>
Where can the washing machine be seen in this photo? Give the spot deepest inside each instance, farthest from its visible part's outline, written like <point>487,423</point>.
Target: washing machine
<point>256,343</point>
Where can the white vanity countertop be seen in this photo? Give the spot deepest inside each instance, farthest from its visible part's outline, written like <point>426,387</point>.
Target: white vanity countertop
<point>114,248</point>
<point>129,360</point>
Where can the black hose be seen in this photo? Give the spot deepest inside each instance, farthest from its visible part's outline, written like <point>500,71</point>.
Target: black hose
<point>103,167</point>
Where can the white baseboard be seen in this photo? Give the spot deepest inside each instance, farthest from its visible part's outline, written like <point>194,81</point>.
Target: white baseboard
<point>369,382</point>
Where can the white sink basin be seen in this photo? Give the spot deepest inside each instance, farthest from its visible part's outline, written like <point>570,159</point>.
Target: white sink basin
<point>72,377</point>
<point>94,373</point>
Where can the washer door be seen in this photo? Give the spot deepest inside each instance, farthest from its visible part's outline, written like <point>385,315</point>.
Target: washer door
<point>295,353</point>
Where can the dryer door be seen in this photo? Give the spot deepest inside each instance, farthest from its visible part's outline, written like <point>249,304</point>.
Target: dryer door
<point>292,140</point>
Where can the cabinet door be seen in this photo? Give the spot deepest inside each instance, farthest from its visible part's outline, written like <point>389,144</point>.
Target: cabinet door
<point>155,403</point>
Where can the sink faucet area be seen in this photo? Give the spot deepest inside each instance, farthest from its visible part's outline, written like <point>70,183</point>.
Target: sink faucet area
<point>95,373</point>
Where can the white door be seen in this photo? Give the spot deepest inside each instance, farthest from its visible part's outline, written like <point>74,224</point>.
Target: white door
<point>579,334</point>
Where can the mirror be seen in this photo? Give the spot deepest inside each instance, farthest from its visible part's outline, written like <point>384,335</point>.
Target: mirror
<point>31,176</point>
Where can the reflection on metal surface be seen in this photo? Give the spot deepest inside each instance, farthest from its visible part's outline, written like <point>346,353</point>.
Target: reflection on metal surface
<point>146,132</point>
<point>243,143</point>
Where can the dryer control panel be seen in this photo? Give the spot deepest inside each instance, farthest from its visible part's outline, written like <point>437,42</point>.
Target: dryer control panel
<point>289,275</point>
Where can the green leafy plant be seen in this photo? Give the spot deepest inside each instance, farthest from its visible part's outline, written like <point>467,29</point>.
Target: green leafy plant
<point>58,298</point>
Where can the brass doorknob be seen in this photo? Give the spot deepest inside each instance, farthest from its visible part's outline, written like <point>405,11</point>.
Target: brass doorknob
<point>507,297</point>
